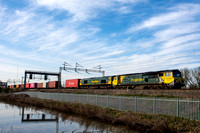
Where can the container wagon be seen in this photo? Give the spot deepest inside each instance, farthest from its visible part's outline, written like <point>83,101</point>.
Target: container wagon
<point>39,85</point>
<point>33,85</point>
<point>27,86</point>
<point>72,83</point>
<point>53,84</point>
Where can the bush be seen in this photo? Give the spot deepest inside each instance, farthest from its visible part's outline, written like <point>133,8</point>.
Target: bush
<point>5,90</point>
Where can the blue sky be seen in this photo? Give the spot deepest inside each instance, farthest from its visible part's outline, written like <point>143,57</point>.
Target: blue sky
<point>123,36</point>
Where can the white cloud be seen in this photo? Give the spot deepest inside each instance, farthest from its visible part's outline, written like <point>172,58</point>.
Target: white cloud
<point>16,22</point>
<point>177,30</point>
<point>124,10</point>
<point>175,16</point>
<point>85,9</point>
<point>130,1</point>
<point>79,8</point>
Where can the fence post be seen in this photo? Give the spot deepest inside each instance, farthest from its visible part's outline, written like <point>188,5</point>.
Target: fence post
<point>154,106</point>
<point>49,96</point>
<point>177,107</point>
<point>107,100</point>
<point>87,99</point>
<point>198,110</point>
<point>193,109</point>
<point>120,103</point>
<point>79,98</point>
<point>63,97</point>
<point>96,99</point>
<point>135,103</point>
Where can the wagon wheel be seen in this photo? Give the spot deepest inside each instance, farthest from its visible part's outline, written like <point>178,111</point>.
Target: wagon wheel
<point>158,87</point>
<point>146,87</point>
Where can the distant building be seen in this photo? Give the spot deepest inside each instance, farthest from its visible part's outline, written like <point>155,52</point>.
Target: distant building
<point>3,84</point>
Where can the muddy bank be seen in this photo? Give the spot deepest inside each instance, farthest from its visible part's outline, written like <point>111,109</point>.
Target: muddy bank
<point>140,122</point>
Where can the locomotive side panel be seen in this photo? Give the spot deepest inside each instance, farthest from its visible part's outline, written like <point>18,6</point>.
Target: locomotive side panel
<point>99,82</point>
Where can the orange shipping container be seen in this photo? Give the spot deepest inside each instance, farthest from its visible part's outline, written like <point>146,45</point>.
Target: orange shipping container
<point>22,85</point>
<point>53,84</point>
<point>17,86</point>
<point>39,85</point>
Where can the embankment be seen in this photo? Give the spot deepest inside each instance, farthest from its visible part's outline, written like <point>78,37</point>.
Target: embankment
<point>195,94</point>
<point>136,121</point>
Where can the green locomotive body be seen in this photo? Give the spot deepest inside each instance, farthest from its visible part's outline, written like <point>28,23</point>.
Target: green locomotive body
<point>97,82</point>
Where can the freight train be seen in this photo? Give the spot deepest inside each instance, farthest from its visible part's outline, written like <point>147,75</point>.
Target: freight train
<point>149,80</point>
<point>166,79</point>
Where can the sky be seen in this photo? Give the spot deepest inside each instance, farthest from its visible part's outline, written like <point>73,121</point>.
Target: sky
<point>123,36</point>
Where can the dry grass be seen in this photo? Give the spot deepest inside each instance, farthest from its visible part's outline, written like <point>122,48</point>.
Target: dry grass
<point>136,121</point>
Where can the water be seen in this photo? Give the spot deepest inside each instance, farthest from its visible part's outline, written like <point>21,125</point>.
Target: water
<point>14,119</point>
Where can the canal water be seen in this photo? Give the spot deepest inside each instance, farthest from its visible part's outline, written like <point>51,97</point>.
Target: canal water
<point>14,119</point>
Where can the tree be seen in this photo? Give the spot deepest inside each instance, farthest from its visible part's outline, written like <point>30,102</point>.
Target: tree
<point>191,77</point>
<point>186,74</point>
<point>196,76</point>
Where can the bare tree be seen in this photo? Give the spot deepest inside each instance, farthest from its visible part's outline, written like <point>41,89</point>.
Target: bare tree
<point>196,76</point>
<point>191,77</point>
<point>187,78</point>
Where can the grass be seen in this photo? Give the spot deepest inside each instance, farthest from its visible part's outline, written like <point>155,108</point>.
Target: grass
<point>142,95</point>
<point>106,93</point>
<point>137,121</point>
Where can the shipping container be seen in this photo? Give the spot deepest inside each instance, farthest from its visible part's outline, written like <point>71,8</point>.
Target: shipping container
<point>22,85</point>
<point>53,84</point>
<point>17,86</point>
<point>44,85</point>
<point>39,85</point>
<point>13,86</point>
<point>33,85</point>
<point>27,86</point>
<point>72,83</point>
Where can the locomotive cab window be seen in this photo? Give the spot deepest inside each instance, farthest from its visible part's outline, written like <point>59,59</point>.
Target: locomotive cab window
<point>176,74</point>
<point>103,81</point>
<point>85,81</point>
<point>168,74</point>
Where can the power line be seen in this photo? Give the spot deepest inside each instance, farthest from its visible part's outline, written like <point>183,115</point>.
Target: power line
<point>79,68</point>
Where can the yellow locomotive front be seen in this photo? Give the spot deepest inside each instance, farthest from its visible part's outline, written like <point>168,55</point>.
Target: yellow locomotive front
<point>172,78</point>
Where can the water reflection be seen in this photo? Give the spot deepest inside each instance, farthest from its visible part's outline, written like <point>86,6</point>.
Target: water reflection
<point>30,117</point>
<point>15,119</point>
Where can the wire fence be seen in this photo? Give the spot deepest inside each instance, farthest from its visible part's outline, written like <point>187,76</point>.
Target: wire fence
<point>169,106</point>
